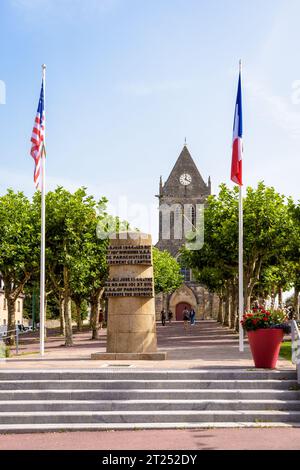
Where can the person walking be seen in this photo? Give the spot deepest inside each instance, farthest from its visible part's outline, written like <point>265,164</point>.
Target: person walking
<point>192,316</point>
<point>170,316</point>
<point>163,317</point>
<point>101,318</point>
<point>186,318</point>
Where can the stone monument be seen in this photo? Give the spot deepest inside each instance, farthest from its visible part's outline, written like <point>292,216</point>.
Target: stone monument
<point>131,327</point>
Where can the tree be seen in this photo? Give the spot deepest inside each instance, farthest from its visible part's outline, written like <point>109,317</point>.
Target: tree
<point>215,264</point>
<point>294,251</point>
<point>267,225</point>
<point>70,226</point>
<point>90,271</point>
<point>266,228</point>
<point>19,249</point>
<point>167,275</point>
<point>104,226</point>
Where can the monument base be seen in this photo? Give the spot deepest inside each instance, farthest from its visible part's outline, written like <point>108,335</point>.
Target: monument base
<point>151,356</point>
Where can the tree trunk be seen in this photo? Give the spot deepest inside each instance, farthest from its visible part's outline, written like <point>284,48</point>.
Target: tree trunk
<point>273,296</point>
<point>211,305</point>
<point>95,317</point>
<point>221,310</point>
<point>95,303</point>
<point>296,303</point>
<point>78,315</point>
<point>234,309</point>
<point>45,323</point>
<point>11,323</point>
<point>227,307</point>
<point>280,302</point>
<point>61,317</point>
<point>68,321</point>
<point>67,309</point>
<point>251,279</point>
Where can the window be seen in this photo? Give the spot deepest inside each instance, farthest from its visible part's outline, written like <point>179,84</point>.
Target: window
<point>4,321</point>
<point>4,303</point>
<point>178,219</point>
<point>19,306</point>
<point>186,272</point>
<point>193,218</point>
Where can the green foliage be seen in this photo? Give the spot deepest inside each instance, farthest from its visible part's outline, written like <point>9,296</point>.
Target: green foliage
<point>19,241</point>
<point>271,242</point>
<point>167,275</point>
<point>77,229</point>
<point>5,351</point>
<point>19,253</point>
<point>259,318</point>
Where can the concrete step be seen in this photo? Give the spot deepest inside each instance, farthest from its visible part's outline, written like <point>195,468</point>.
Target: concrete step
<point>147,405</point>
<point>149,394</point>
<point>146,384</point>
<point>32,401</point>
<point>55,427</point>
<point>110,417</point>
<point>144,374</point>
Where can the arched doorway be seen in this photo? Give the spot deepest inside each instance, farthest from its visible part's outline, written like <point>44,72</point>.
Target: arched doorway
<point>182,297</point>
<point>180,308</point>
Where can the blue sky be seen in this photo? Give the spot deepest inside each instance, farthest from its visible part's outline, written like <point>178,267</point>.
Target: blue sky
<point>128,80</point>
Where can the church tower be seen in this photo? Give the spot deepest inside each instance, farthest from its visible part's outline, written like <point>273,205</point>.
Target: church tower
<point>178,199</point>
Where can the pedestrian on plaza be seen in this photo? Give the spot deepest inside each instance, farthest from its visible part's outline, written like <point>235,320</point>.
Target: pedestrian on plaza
<point>170,316</point>
<point>186,318</point>
<point>101,318</point>
<point>163,317</point>
<point>192,316</point>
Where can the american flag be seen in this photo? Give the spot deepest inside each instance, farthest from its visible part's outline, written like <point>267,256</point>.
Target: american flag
<point>37,139</point>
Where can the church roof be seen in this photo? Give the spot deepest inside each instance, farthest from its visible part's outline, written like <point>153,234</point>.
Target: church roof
<point>185,165</point>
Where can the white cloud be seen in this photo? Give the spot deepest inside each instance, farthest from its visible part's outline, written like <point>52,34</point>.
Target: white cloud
<point>2,92</point>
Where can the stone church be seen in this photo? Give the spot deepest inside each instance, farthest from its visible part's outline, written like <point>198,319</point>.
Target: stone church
<point>179,197</point>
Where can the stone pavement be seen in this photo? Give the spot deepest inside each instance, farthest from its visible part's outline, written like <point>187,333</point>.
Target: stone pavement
<point>204,345</point>
<point>200,439</point>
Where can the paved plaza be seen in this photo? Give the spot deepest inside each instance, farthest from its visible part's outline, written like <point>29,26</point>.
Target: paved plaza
<point>200,439</point>
<point>204,345</point>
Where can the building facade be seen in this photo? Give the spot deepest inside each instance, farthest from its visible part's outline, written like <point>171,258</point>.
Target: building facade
<point>3,308</point>
<point>181,198</point>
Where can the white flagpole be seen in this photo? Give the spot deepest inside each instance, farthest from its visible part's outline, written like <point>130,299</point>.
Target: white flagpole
<point>42,274</point>
<point>241,274</point>
<point>241,270</point>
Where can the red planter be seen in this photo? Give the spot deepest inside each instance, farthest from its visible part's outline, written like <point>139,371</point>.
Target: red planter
<point>265,346</point>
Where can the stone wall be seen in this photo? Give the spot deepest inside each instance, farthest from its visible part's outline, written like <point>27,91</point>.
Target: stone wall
<point>206,304</point>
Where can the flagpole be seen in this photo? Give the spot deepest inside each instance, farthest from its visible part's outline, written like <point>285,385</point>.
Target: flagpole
<point>241,274</point>
<point>241,270</point>
<point>42,265</point>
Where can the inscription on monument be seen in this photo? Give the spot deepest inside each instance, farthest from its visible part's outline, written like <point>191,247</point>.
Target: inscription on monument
<point>129,287</point>
<point>128,254</point>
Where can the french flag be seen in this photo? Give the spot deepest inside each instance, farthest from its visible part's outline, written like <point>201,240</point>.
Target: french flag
<point>237,139</point>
